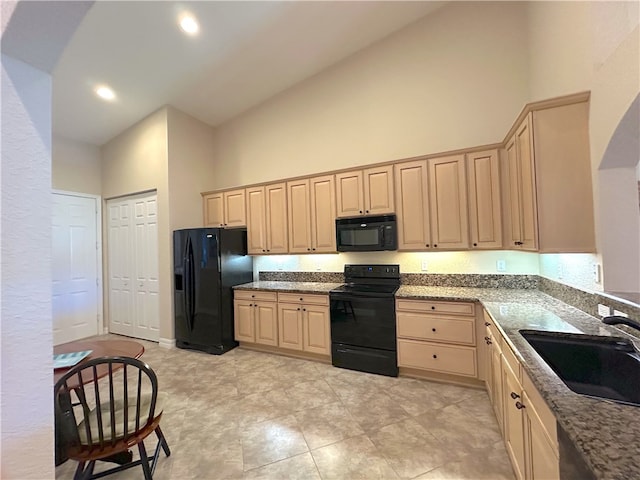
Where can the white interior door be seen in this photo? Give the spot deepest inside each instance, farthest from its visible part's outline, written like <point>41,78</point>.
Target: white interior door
<point>133,266</point>
<point>75,305</point>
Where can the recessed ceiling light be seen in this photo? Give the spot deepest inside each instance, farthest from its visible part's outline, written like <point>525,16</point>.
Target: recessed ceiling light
<point>105,93</point>
<point>189,25</point>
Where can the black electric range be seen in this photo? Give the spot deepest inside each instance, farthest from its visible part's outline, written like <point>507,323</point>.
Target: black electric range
<point>363,319</point>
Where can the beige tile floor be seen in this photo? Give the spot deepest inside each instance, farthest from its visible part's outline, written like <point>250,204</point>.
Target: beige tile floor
<point>250,415</point>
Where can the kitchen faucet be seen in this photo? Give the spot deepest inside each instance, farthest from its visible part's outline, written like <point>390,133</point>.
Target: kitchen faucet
<point>619,320</point>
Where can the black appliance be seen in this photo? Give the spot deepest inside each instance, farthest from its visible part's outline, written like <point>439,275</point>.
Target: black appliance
<point>363,319</point>
<point>367,234</point>
<point>207,263</point>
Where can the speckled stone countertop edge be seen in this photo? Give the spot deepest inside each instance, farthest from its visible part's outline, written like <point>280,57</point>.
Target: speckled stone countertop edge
<point>604,433</point>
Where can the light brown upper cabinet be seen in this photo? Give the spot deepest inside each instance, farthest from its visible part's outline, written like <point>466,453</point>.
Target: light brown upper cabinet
<point>448,203</point>
<point>225,209</point>
<point>548,170</point>
<point>483,186</point>
<point>412,197</point>
<point>365,192</point>
<point>267,219</point>
<point>312,211</point>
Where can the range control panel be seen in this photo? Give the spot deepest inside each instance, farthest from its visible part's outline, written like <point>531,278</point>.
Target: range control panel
<point>372,271</point>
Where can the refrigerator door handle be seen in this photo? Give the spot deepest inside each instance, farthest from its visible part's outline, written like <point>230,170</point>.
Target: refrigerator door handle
<point>192,287</point>
<point>187,284</point>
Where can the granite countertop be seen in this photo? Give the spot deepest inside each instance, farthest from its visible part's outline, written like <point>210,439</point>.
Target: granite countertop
<point>291,287</point>
<point>605,433</point>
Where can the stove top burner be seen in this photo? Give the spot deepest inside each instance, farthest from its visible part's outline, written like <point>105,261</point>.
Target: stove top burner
<point>365,288</point>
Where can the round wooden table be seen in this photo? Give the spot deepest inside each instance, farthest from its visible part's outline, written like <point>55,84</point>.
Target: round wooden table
<point>99,348</point>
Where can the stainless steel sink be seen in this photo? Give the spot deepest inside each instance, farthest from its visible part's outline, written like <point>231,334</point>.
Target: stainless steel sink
<point>597,366</point>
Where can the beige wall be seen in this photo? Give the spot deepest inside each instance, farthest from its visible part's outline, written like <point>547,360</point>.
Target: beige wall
<point>448,81</point>
<point>190,169</point>
<point>75,166</point>
<point>595,46</point>
<point>133,162</point>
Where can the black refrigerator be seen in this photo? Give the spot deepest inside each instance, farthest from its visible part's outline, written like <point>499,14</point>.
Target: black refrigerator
<point>207,263</point>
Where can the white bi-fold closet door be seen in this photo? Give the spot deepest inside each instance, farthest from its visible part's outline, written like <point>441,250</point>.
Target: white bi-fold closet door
<point>132,223</point>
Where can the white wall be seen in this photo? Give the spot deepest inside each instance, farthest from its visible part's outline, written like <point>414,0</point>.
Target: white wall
<point>457,78</point>
<point>190,152</point>
<point>410,262</point>
<point>26,410</point>
<point>75,166</point>
<point>594,46</point>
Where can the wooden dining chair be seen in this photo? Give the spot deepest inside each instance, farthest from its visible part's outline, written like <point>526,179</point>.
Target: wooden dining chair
<point>103,419</point>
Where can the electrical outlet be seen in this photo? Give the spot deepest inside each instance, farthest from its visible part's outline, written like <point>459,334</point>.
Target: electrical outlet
<point>424,266</point>
<point>560,271</point>
<point>620,314</point>
<point>501,266</point>
<point>603,310</point>
<point>597,273</point>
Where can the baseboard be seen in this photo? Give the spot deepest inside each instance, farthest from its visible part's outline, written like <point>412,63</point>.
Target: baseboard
<point>167,342</point>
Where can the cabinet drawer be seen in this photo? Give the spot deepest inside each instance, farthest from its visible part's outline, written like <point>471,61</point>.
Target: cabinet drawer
<point>449,308</point>
<point>437,357</point>
<point>306,298</point>
<point>436,328</point>
<point>255,295</point>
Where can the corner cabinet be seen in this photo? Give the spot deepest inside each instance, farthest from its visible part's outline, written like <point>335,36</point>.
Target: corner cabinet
<point>549,194</point>
<point>225,209</point>
<point>311,215</point>
<point>267,219</point>
<point>365,192</point>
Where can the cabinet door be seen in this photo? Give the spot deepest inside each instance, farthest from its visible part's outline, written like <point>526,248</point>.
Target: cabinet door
<point>256,221</point>
<point>412,205</point>
<point>299,206</point>
<point>235,209</point>
<point>317,336</point>
<point>529,214</point>
<point>323,214</point>
<point>496,382</point>
<point>542,458</point>
<point>290,326</point>
<point>276,208</point>
<point>513,420</point>
<point>378,190</point>
<point>243,315</point>
<point>349,194</point>
<point>214,210</point>
<point>483,178</point>
<point>448,202</point>
<point>266,321</point>
<point>514,234</point>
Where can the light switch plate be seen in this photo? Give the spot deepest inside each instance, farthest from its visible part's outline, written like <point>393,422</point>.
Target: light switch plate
<point>424,266</point>
<point>603,310</point>
<point>620,314</point>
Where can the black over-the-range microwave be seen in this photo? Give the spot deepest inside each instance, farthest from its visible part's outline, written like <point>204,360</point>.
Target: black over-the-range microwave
<point>367,234</point>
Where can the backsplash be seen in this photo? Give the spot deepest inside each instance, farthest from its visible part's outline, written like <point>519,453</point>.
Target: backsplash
<point>580,299</point>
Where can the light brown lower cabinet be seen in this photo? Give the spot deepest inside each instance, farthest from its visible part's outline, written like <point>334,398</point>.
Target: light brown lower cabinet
<point>286,320</point>
<point>528,425</point>
<point>304,324</point>
<point>256,317</point>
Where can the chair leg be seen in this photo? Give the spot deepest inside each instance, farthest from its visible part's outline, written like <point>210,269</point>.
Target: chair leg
<point>79,471</point>
<point>83,473</point>
<point>163,441</point>
<point>144,461</point>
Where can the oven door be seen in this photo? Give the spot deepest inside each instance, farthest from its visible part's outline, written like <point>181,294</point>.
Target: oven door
<point>363,320</point>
